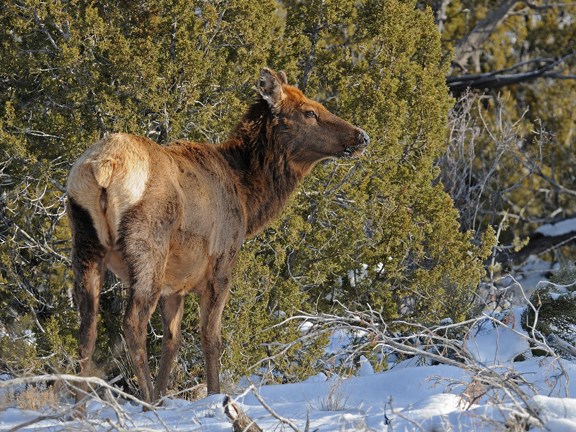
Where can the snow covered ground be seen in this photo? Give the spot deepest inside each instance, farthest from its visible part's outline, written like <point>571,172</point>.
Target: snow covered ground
<point>407,397</point>
<point>413,395</point>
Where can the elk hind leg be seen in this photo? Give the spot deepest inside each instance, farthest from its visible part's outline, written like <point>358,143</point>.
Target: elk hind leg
<point>146,261</point>
<point>140,308</point>
<point>88,267</point>
<point>144,236</point>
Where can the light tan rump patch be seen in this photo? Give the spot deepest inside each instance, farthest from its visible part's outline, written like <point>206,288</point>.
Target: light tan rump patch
<point>118,165</point>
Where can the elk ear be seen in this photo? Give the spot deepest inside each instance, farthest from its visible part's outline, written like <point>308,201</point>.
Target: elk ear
<point>270,87</point>
<point>283,77</point>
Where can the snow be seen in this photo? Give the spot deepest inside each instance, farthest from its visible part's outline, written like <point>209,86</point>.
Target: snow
<point>560,414</point>
<point>497,345</point>
<point>407,397</point>
<point>411,395</point>
<point>558,228</point>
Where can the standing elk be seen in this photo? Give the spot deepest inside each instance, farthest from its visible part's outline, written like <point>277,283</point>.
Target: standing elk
<point>168,220</point>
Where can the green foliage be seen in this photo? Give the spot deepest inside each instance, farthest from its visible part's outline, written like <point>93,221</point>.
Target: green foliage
<point>34,278</point>
<point>556,305</point>
<point>17,348</point>
<point>264,299</point>
<point>384,63</point>
<point>378,230</point>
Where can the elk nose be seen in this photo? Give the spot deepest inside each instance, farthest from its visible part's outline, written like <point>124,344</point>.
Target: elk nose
<point>363,139</point>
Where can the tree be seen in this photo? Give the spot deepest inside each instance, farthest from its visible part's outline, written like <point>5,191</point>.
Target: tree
<point>389,223</point>
<point>380,230</point>
<point>472,29</point>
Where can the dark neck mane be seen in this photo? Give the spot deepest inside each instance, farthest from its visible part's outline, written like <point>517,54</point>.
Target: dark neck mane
<point>261,163</point>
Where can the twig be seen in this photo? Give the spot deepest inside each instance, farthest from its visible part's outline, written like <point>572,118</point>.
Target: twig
<point>274,413</point>
<point>72,410</point>
<point>74,379</point>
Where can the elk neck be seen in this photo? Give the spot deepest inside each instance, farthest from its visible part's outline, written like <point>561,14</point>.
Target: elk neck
<point>261,162</point>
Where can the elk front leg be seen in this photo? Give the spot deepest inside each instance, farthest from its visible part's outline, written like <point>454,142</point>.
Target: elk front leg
<point>172,308</point>
<point>212,303</point>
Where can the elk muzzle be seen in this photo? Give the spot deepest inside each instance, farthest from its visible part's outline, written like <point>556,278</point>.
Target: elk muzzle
<point>362,141</point>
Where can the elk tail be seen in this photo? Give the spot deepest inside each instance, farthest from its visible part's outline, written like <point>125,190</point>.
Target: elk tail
<point>102,169</point>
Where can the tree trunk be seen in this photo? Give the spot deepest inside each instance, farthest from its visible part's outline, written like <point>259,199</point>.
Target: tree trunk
<point>480,33</point>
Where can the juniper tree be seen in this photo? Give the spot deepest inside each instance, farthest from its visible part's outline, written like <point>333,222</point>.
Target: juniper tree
<point>383,225</point>
<point>379,230</point>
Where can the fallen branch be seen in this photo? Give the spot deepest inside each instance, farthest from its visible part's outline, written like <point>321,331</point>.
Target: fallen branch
<point>538,243</point>
<point>546,68</point>
<point>274,413</point>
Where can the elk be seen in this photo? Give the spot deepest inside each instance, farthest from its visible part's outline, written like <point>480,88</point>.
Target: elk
<point>168,220</point>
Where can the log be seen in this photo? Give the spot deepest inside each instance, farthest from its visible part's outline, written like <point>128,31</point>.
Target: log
<point>240,421</point>
<point>558,343</point>
<point>541,241</point>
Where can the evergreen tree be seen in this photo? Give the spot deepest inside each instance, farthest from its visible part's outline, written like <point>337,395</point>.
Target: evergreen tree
<point>382,225</point>
<point>377,230</point>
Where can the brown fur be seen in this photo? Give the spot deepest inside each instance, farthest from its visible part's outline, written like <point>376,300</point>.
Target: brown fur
<point>170,220</point>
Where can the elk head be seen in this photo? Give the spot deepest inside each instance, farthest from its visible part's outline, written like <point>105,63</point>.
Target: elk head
<point>309,132</point>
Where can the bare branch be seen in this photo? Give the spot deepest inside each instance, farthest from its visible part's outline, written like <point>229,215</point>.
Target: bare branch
<point>549,68</point>
<point>469,44</point>
<point>495,381</point>
<point>73,379</point>
<point>274,413</point>
<point>548,5</point>
<point>123,420</point>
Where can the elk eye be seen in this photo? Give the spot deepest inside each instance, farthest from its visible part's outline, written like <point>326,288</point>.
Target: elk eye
<point>310,114</point>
